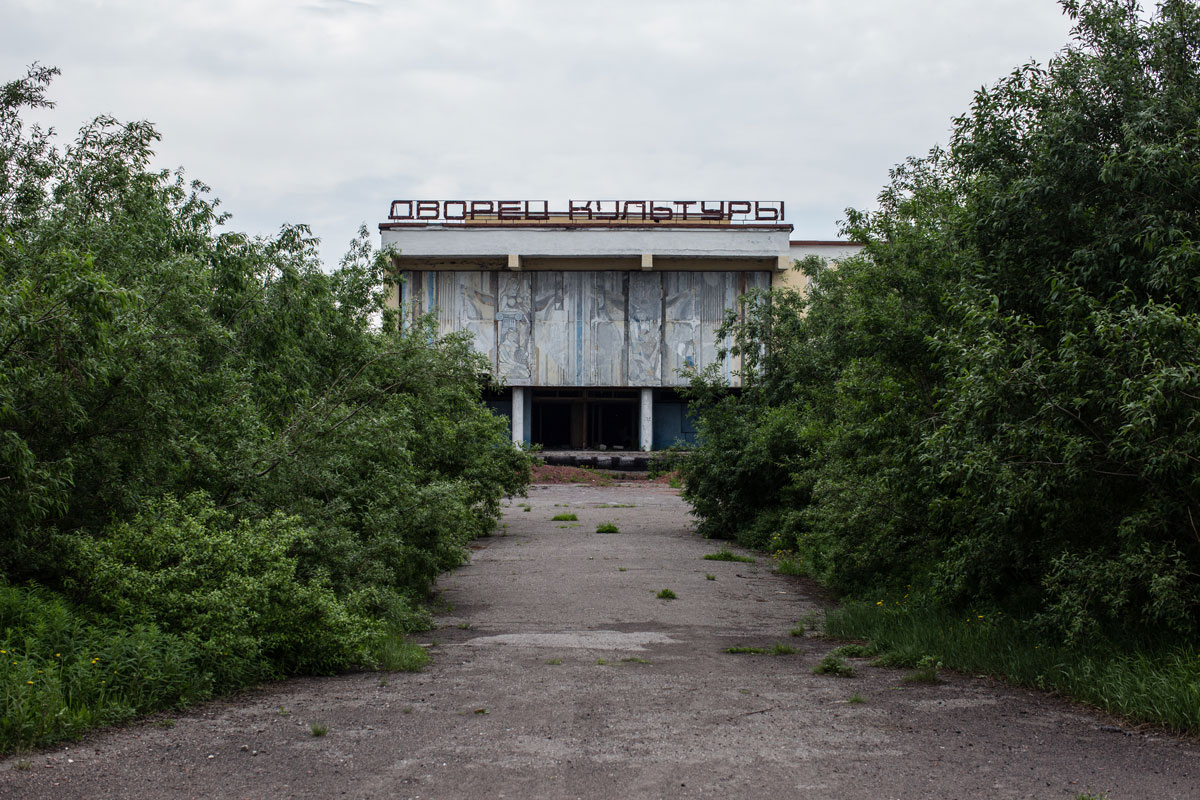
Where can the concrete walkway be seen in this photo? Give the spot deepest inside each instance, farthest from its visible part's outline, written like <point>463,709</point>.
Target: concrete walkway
<point>558,672</point>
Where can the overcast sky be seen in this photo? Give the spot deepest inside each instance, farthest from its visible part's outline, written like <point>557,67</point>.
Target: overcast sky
<point>323,111</point>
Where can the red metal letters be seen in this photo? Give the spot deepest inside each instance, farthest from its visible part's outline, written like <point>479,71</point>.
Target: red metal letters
<point>583,210</point>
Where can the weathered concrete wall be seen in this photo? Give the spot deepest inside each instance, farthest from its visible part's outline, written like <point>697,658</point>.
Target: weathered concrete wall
<point>598,328</point>
<point>695,242</point>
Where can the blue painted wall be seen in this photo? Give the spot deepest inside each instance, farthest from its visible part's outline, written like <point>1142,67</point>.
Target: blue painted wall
<point>504,409</point>
<point>672,425</point>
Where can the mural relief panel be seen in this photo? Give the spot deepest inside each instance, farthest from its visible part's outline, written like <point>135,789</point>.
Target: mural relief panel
<point>586,328</point>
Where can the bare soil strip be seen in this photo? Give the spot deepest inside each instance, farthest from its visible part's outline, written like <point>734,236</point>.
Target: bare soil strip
<point>558,672</point>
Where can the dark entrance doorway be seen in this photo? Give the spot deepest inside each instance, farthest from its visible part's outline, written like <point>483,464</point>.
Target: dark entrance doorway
<point>584,419</point>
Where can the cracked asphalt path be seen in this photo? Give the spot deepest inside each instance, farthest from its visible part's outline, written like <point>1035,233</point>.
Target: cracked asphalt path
<point>557,672</point>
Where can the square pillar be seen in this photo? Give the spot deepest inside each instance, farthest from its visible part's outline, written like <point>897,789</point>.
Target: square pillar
<point>519,399</point>
<point>646,427</point>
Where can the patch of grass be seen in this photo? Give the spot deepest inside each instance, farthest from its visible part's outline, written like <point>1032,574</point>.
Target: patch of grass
<point>634,660</point>
<point>481,711</point>
<point>854,651</point>
<point>464,626</point>
<point>621,569</point>
<point>708,576</point>
<point>675,482</point>
<point>23,765</point>
<point>786,565</point>
<point>607,527</point>
<point>397,654</point>
<point>527,509</point>
<point>318,729</point>
<point>406,710</point>
<point>600,662</point>
<point>778,649</point>
<point>564,518</point>
<point>832,665</point>
<point>1147,684</point>
<point>811,622</point>
<point>616,505</point>
<point>167,723</point>
<point>798,630</point>
<point>666,594</point>
<point>728,555</point>
<point>855,699</point>
<point>926,672</point>
<point>284,712</point>
<point>554,662</point>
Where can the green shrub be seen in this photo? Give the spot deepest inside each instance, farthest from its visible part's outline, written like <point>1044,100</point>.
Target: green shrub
<point>63,674</point>
<point>229,587</point>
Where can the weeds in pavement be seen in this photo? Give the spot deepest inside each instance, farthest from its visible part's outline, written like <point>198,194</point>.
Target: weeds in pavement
<point>854,651</point>
<point>832,665</point>
<point>926,672</point>
<point>397,654</point>
<point>728,555</point>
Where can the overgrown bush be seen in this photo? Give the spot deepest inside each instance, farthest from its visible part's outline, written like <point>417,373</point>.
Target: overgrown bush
<point>209,442</point>
<point>997,402</point>
<point>230,589</point>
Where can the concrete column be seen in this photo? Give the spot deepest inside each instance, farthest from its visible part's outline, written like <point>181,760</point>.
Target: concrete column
<point>518,415</point>
<point>647,420</point>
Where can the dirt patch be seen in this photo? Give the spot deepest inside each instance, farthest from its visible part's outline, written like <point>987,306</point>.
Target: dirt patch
<point>558,672</point>
<point>545,473</point>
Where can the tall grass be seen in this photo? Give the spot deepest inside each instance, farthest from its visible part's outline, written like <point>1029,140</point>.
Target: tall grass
<point>62,674</point>
<point>64,671</point>
<point>1160,685</point>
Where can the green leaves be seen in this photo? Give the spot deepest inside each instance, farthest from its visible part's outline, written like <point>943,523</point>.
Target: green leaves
<point>997,402</point>
<point>210,433</point>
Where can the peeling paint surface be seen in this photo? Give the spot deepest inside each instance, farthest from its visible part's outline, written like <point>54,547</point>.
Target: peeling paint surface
<point>587,328</point>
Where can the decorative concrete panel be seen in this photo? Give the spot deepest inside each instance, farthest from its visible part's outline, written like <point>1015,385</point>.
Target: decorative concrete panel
<point>551,326</point>
<point>604,353</point>
<point>474,304</point>
<point>645,329</point>
<point>514,327</point>
<point>681,325</point>
<point>587,328</point>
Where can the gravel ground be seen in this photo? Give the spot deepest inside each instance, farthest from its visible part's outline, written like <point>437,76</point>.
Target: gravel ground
<point>557,672</point>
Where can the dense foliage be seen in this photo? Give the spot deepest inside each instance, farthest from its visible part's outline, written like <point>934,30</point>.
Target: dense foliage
<point>207,441</point>
<point>997,403</point>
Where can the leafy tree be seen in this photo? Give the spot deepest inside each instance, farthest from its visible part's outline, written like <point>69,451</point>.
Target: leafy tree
<point>208,437</point>
<point>997,401</point>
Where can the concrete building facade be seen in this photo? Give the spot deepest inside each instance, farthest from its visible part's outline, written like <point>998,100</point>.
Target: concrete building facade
<point>593,315</point>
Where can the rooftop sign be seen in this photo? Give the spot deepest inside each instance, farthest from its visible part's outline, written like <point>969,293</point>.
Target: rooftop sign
<point>580,210</point>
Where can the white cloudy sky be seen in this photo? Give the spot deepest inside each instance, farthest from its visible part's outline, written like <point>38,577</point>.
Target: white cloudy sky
<point>323,111</point>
